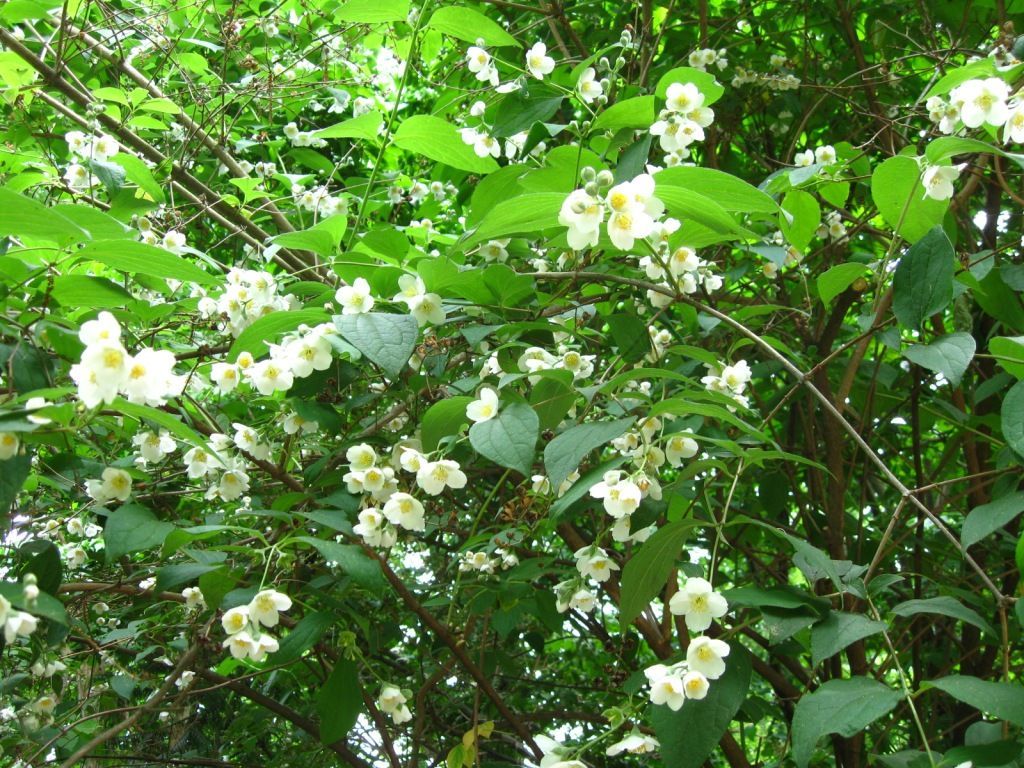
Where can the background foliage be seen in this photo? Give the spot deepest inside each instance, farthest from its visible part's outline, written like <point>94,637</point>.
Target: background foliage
<point>861,516</point>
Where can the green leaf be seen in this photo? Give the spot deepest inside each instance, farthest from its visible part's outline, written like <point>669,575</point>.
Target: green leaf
<point>139,174</point>
<point>373,11</point>
<point>351,559</point>
<point>733,194</point>
<point>837,631</point>
<point>988,518</point>
<point>944,606</point>
<point>171,576</point>
<point>949,355</point>
<point>138,258</point>
<point>86,291</point>
<point>705,82</point>
<point>563,455</point>
<point>13,473</point>
<point>111,175</point>
<point>1000,699</point>
<point>897,191</point>
<point>1009,353</point>
<point>97,224</point>
<point>923,283</point>
<point>469,25</point>
<point>1012,418</point>
<point>520,215</point>
<point>442,419</point>
<point>25,217</point>
<point>133,528</point>
<point>366,126</point>
<point>838,279</point>
<point>552,397</point>
<point>687,204</point>
<point>270,328</point>
<point>637,112</point>
<point>339,701</point>
<point>689,737</point>
<point>387,340</point>
<point>799,218</point>
<point>438,140</point>
<point>646,572</point>
<point>630,335</point>
<point>321,239</point>
<point>510,438</point>
<point>845,707</point>
<point>520,110</point>
<point>303,636</point>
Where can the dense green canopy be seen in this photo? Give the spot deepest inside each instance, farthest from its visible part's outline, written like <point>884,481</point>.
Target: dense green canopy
<point>390,383</point>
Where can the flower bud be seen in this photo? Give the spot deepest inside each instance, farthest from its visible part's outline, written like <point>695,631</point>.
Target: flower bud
<point>603,64</point>
<point>605,179</point>
<point>620,62</point>
<point>591,189</point>
<point>588,173</point>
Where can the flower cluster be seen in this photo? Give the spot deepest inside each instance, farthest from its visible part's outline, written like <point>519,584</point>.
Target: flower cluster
<point>302,138</point>
<point>86,148</point>
<point>823,155</point>
<point>682,121</point>
<point>730,380</point>
<point>244,625</point>
<point>107,370</point>
<point>248,295</point>
<point>482,562</point>
<point>631,207</point>
<point>706,57</point>
<point>699,605</point>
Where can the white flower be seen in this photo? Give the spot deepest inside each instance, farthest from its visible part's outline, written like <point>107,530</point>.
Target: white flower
<point>982,101</point>
<point>479,63</point>
<point>235,619</point>
<point>103,330</point>
<point>269,376</point>
<point>101,373</point>
<point>706,655</point>
<point>495,250</point>
<point>699,603</point>
<point>393,702</point>
<point>374,528</point>
<point>233,483</point>
<point>154,446</point>
<point>224,376</point>
<point>265,606</point>
<point>151,379</point>
<point>174,241</point>
<point>635,743</point>
<point>804,159</point>
<point>246,439</point>
<point>1015,124</point>
<point>405,511</point>
<point>582,214</point>
<point>666,686</point>
<point>826,155</point>
<point>485,408</point>
<point>593,562</point>
<point>538,62</point>
<point>680,447</point>
<point>241,644</point>
<point>434,476</point>
<point>113,484</point>
<point>589,87</point>
<point>194,598</point>
<point>427,309</point>
<point>9,444</point>
<point>355,299</point>
<point>938,181</point>
<point>620,497</point>
<point>16,623</point>
<point>695,685</point>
